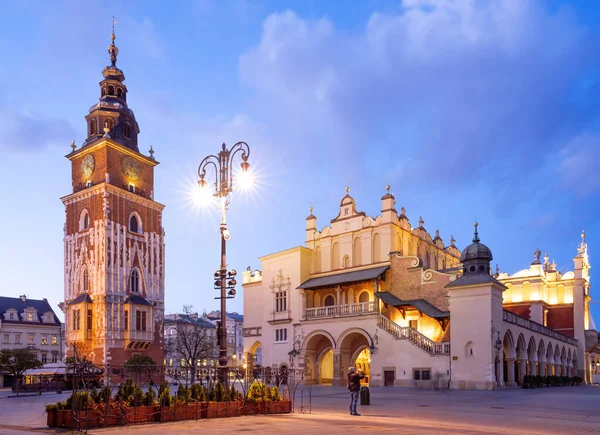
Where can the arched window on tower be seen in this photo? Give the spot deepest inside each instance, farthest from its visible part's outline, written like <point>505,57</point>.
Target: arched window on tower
<point>111,90</point>
<point>109,123</point>
<point>127,130</point>
<point>119,92</point>
<point>134,225</point>
<point>134,281</point>
<point>85,280</point>
<point>93,127</point>
<point>84,220</point>
<point>103,92</point>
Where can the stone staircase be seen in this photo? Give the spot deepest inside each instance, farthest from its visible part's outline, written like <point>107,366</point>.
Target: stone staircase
<point>414,336</point>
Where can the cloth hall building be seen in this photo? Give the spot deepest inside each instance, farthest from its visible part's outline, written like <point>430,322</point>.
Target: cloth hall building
<point>409,310</point>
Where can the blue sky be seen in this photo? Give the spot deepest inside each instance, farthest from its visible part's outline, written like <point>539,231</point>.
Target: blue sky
<point>484,110</point>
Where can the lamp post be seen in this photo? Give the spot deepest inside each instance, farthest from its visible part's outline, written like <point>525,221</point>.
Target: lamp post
<point>223,188</point>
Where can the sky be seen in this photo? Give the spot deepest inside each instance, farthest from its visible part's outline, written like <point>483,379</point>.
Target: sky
<point>469,109</point>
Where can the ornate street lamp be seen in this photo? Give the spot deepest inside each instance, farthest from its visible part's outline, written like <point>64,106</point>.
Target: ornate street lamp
<point>223,188</point>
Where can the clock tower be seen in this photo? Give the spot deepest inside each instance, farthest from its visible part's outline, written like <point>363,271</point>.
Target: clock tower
<point>113,235</point>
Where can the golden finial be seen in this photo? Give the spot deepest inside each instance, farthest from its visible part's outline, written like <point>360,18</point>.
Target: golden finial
<point>311,208</point>
<point>476,237</point>
<point>347,188</point>
<point>113,51</point>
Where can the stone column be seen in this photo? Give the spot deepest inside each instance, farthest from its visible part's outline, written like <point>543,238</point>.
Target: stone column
<point>533,368</point>
<point>499,372</point>
<point>510,367</point>
<point>337,368</point>
<point>312,375</point>
<point>522,370</point>
<point>338,299</point>
<point>303,304</point>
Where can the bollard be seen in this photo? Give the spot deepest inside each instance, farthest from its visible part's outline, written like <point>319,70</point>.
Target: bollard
<point>365,396</point>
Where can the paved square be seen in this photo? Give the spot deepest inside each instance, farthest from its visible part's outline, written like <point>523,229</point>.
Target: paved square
<point>568,410</point>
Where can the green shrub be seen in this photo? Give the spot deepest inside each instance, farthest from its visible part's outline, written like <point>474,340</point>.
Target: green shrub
<point>164,394</point>
<point>234,395</point>
<point>219,392</point>
<point>51,407</point>
<point>106,394</point>
<point>149,397</point>
<point>183,394</point>
<point>275,394</point>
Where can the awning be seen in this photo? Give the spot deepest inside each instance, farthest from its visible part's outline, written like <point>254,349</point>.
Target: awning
<point>419,304</point>
<point>137,299</point>
<point>48,369</point>
<point>344,278</point>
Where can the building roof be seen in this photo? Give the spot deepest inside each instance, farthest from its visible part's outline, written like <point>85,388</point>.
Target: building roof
<point>20,304</point>
<point>235,316</point>
<point>137,299</point>
<point>84,297</point>
<point>480,278</point>
<point>344,278</point>
<point>184,318</point>
<point>420,304</point>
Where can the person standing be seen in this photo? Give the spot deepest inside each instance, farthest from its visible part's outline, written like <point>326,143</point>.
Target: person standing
<point>354,378</point>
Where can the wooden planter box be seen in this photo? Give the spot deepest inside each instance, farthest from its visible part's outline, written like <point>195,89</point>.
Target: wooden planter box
<point>146,414</point>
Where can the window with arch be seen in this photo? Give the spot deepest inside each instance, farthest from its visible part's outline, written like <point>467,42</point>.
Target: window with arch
<point>127,130</point>
<point>134,281</point>
<point>357,251</point>
<point>335,254</point>
<point>109,123</point>
<point>84,220</point>
<point>376,248</point>
<point>329,301</point>
<point>469,349</point>
<point>111,90</point>
<point>103,92</point>
<point>346,262</point>
<point>134,225</point>
<point>364,297</point>
<point>317,259</point>
<point>85,281</point>
<point>119,92</point>
<point>93,127</point>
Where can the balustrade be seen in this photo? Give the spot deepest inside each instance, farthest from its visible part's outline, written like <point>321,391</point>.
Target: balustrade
<point>414,336</point>
<point>341,310</point>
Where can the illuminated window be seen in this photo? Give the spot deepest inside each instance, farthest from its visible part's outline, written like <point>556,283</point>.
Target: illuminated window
<point>76,320</point>
<point>30,317</point>
<point>44,340</point>
<point>31,339</point>
<point>54,340</point>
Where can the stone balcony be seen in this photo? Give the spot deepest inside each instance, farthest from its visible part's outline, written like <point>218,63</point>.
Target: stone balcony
<point>138,339</point>
<point>349,310</point>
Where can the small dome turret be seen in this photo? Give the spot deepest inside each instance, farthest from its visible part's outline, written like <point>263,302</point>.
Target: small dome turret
<point>476,257</point>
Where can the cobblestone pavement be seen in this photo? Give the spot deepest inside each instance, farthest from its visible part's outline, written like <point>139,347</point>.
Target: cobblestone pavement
<point>574,410</point>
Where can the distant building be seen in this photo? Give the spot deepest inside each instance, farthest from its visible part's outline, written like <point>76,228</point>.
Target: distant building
<point>205,335</point>
<point>30,323</point>
<point>235,339</point>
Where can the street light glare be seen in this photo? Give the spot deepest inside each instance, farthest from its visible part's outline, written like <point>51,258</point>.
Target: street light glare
<point>203,195</point>
<point>244,180</point>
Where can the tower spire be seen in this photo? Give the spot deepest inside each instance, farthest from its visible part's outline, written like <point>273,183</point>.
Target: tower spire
<point>113,51</point>
<point>476,236</point>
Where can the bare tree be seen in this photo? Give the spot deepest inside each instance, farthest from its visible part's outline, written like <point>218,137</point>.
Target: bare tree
<point>194,339</point>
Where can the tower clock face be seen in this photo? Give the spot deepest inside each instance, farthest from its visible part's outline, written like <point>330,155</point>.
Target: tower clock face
<point>131,168</point>
<point>87,166</point>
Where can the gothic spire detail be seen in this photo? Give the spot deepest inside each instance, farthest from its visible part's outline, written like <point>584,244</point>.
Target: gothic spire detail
<point>113,51</point>
<point>476,235</point>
